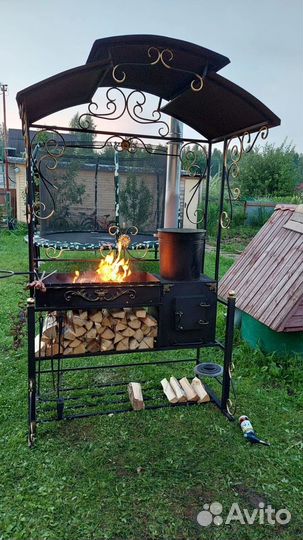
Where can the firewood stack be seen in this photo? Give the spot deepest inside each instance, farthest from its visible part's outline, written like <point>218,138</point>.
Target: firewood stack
<point>93,331</point>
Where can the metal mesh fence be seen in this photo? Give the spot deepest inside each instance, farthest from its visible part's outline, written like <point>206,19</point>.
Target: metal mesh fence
<point>77,190</point>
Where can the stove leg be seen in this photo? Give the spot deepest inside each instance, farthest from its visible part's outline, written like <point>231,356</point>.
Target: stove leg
<point>32,386</point>
<point>228,350</point>
<point>198,356</point>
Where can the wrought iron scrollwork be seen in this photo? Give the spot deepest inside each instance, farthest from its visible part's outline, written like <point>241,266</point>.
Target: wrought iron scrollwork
<point>236,148</point>
<point>194,160</point>
<point>52,145</point>
<point>95,295</point>
<point>118,103</point>
<point>158,56</point>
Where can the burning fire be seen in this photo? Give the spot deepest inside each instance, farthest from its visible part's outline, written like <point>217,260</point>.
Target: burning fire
<point>113,267</point>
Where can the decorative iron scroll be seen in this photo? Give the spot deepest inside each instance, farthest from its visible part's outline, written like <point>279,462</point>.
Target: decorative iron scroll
<point>52,144</point>
<point>189,156</point>
<point>118,104</point>
<point>236,148</point>
<point>100,294</point>
<point>158,56</point>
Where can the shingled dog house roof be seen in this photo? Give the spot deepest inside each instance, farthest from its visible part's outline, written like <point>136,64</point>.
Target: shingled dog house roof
<point>268,276</point>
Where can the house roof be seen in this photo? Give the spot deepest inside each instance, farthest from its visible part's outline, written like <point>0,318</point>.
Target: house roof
<point>168,68</point>
<point>268,276</point>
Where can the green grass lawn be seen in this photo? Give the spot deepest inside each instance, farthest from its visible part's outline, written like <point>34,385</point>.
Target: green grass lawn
<point>146,475</point>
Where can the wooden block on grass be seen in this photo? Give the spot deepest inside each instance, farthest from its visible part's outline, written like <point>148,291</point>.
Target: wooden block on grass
<point>177,389</point>
<point>199,389</point>
<point>190,393</point>
<point>136,396</point>
<point>168,391</point>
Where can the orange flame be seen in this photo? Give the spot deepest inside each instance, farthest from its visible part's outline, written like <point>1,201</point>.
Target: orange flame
<point>76,276</point>
<point>112,268</point>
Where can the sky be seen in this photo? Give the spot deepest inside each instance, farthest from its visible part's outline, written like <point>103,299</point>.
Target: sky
<point>262,38</point>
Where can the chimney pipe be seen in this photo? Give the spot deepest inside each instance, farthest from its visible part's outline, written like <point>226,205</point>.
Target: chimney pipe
<point>173,175</point>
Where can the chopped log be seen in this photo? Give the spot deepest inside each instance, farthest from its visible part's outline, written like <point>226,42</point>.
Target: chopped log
<point>142,345</point>
<point>133,344</point>
<point>128,332</point>
<point>50,327</point>
<point>96,317</point>
<point>121,326</point>
<point>52,349</point>
<point>81,349</point>
<point>106,345</point>
<point>75,343</point>
<point>78,321</point>
<point>91,334</point>
<point>89,324</point>
<point>40,346</point>
<point>138,335</point>
<point>68,350</point>
<point>113,322</point>
<point>145,329</point>
<point>80,331</point>
<point>106,322</point>
<point>118,314</point>
<point>105,312</point>
<point>149,341</point>
<point>198,387</point>
<point>83,315</point>
<point>150,321</point>
<point>136,396</point>
<point>180,394</point>
<point>123,345</point>
<point>134,323</point>
<point>189,391</point>
<point>99,327</point>
<point>168,391</point>
<point>118,337</point>
<point>69,334</point>
<point>107,334</point>
<point>131,316</point>
<point>93,346</point>
<point>141,313</point>
<point>153,332</point>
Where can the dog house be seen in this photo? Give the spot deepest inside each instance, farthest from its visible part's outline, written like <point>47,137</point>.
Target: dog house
<point>268,280</point>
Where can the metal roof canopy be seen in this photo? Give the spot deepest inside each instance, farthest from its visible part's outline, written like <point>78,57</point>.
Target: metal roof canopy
<point>168,68</point>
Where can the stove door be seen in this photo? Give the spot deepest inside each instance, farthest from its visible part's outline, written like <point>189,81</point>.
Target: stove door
<point>188,313</point>
<point>191,313</point>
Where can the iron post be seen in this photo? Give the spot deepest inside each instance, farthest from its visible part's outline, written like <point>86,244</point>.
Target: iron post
<point>228,349</point>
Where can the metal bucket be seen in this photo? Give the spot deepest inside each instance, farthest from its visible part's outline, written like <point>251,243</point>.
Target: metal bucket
<point>181,252</point>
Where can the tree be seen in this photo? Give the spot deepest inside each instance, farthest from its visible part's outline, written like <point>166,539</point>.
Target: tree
<point>83,140</point>
<point>135,201</point>
<point>273,171</point>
